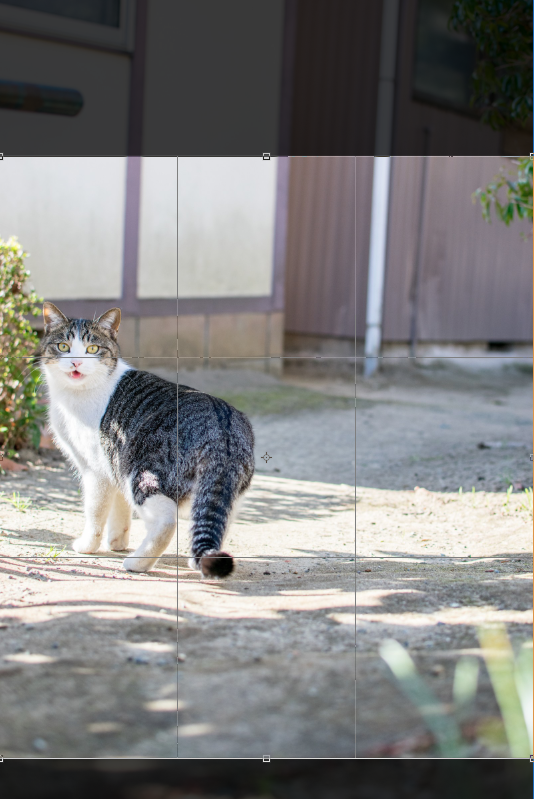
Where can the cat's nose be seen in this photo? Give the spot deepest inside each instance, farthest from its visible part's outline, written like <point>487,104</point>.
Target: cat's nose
<point>76,363</point>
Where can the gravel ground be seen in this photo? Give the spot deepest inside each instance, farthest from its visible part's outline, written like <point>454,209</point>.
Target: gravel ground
<point>266,658</point>
<point>266,663</point>
<point>444,540</point>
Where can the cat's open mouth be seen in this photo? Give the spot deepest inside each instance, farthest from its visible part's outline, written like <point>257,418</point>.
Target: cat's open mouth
<point>76,375</point>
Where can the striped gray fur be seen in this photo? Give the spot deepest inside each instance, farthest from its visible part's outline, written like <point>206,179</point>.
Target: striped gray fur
<point>118,428</point>
<point>138,434</point>
<point>215,468</point>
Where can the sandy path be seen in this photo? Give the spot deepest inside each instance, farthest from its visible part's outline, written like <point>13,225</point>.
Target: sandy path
<point>274,642</point>
<point>434,562</point>
<point>87,650</point>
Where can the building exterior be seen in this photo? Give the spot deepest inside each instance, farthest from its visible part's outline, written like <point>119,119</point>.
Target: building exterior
<point>231,251</point>
<point>475,286</point>
<point>322,78</point>
<point>265,257</point>
<point>101,232</point>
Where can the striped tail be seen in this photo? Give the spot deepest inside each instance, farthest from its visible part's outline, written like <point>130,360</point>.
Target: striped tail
<point>215,496</point>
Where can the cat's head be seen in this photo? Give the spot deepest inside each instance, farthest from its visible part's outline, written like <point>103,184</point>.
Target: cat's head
<point>78,353</point>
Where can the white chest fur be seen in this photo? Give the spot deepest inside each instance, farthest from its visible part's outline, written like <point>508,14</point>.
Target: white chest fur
<point>74,417</point>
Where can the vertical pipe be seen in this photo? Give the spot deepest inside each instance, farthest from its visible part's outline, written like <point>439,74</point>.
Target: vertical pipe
<point>377,263</point>
<point>381,174</point>
<point>386,78</point>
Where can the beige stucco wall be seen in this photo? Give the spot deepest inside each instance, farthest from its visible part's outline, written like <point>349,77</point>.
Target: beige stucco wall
<point>101,77</point>
<point>157,264</point>
<point>68,213</point>
<point>226,216</point>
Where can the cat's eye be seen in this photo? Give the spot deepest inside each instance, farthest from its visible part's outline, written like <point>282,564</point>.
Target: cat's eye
<point>92,349</point>
<point>63,347</point>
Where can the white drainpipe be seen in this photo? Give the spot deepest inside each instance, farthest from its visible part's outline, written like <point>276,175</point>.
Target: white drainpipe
<point>377,263</point>
<point>379,216</point>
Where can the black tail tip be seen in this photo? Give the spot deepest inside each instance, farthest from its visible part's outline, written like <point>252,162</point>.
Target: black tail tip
<point>216,564</point>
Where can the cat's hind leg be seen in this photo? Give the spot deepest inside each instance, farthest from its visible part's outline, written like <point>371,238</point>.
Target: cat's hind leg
<point>119,523</point>
<point>159,515</point>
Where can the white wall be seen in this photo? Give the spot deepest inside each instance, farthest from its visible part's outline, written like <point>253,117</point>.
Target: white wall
<point>68,213</point>
<point>226,217</point>
<point>157,265</point>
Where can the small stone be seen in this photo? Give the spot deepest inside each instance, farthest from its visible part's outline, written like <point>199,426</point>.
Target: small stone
<point>266,572</point>
<point>39,744</point>
<point>181,657</point>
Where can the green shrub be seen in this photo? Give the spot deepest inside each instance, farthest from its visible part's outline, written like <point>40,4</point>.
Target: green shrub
<point>21,417</point>
<point>517,203</point>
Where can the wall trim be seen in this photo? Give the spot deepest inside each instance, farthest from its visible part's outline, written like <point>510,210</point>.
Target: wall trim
<point>132,205</point>
<point>280,232</point>
<point>137,81</point>
<point>89,309</point>
<point>225,305</point>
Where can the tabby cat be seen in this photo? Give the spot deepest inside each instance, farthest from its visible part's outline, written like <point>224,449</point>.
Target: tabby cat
<point>117,427</point>
<point>215,468</point>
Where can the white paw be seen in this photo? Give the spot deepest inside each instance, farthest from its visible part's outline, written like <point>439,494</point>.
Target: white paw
<point>119,542</point>
<point>134,564</point>
<point>85,546</point>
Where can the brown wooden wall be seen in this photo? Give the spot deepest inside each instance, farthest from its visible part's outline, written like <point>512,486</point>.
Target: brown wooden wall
<point>423,128</point>
<point>364,185</point>
<point>335,53</point>
<point>319,289</point>
<point>476,278</point>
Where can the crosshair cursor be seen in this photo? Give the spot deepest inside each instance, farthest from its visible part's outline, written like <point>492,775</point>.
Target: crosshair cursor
<point>266,457</point>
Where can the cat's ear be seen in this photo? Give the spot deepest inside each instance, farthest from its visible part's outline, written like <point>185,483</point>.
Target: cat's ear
<point>52,316</point>
<point>110,320</point>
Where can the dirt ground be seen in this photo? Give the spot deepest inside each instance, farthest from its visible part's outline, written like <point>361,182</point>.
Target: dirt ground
<point>444,539</point>
<point>265,658</point>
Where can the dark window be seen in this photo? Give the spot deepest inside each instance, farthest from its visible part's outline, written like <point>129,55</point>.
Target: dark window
<point>101,12</point>
<point>444,59</point>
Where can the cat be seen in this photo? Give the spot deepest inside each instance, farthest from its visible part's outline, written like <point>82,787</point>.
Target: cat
<point>117,427</point>
<point>215,468</point>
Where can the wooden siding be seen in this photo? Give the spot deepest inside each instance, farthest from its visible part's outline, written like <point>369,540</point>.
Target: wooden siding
<point>476,278</point>
<point>334,73</point>
<point>364,185</point>
<point>423,128</point>
<point>320,291</point>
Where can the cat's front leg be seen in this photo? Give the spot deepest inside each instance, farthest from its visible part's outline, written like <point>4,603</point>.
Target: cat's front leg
<point>98,494</point>
<point>119,523</point>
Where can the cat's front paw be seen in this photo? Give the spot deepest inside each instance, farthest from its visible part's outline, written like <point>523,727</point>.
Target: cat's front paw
<point>85,546</point>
